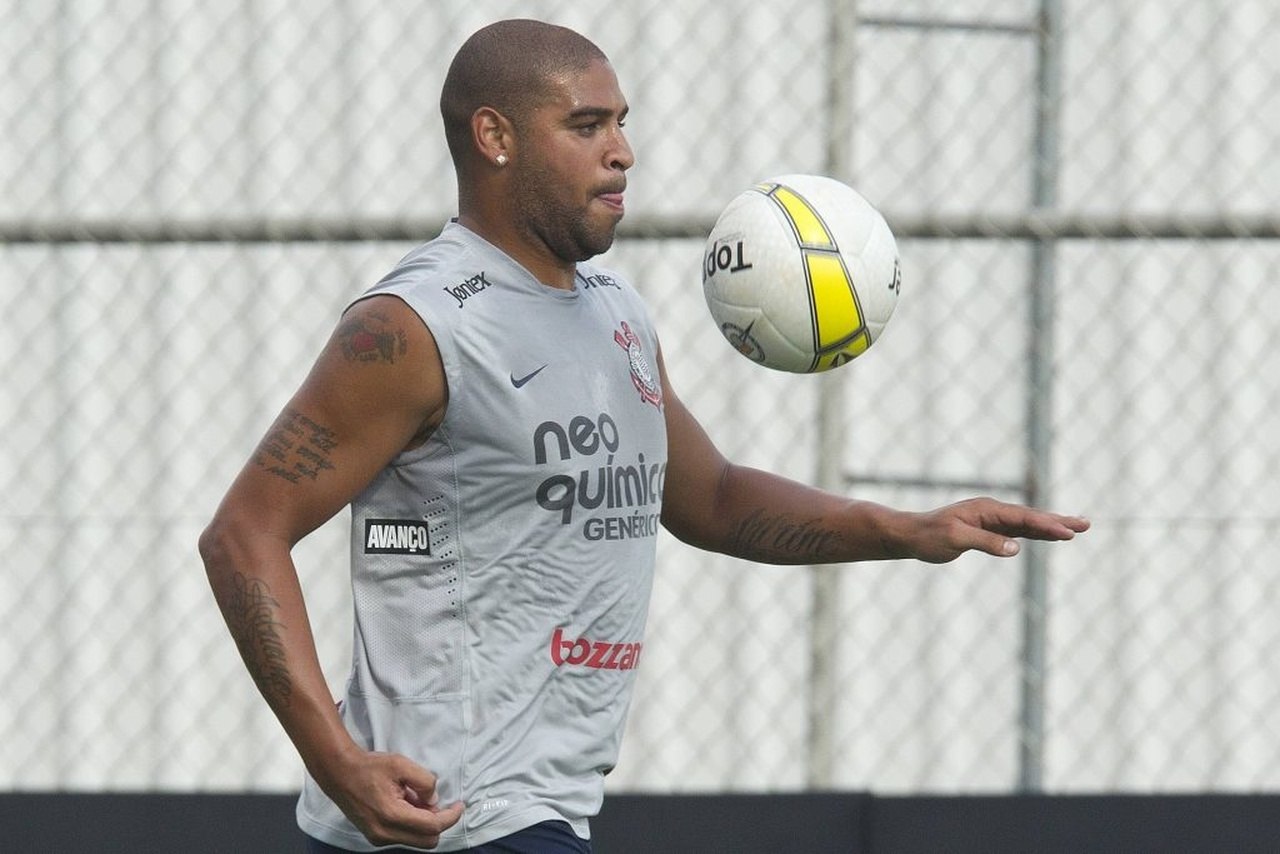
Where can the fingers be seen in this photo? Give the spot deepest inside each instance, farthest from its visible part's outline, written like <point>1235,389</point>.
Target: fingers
<point>1076,524</point>
<point>1014,520</point>
<point>449,816</point>
<point>425,815</point>
<point>991,526</point>
<point>992,543</point>
<point>419,783</point>
<point>395,802</point>
<point>1050,526</point>
<point>405,824</point>
<point>417,826</point>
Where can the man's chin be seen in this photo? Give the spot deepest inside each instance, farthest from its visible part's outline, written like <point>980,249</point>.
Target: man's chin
<point>595,245</point>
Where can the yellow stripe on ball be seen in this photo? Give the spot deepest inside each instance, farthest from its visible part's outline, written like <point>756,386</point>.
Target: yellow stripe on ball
<point>847,353</point>
<point>836,314</point>
<point>810,229</point>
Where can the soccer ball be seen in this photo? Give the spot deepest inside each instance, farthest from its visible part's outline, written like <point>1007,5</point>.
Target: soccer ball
<point>801,273</point>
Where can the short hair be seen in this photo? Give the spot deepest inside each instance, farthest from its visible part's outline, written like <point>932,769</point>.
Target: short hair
<point>508,66</point>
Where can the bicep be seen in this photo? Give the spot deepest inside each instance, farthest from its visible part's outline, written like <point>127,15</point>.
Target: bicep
<point>695,473</point>
<point>375,388</point>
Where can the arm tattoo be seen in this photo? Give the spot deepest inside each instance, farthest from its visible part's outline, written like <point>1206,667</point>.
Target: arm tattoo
<point>767,538</point>
<point>251,616</point>
<point>369,338</point>
<point>296,447</point>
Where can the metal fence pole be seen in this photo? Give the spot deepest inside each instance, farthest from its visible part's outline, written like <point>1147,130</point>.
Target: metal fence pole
<point>825,582</point>
<point>1039,400</point>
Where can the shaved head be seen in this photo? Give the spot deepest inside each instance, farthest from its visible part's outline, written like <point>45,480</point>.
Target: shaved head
<point>508,66</point>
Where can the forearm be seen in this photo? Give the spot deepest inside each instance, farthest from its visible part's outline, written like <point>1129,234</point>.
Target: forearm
<point>766,518</point>
<point>256,588</point>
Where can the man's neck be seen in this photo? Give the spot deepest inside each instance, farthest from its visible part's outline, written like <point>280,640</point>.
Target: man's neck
<point>547,269</point>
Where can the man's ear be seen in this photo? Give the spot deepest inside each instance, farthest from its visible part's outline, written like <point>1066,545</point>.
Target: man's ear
<point>493,135</point>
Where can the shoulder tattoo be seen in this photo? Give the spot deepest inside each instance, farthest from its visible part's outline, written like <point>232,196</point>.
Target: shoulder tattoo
<point>371,336</point>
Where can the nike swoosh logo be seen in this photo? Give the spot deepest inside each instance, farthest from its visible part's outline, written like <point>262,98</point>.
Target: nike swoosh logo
<point>519,382</point>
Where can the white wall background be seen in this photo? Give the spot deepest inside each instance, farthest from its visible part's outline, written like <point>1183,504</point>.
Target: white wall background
<point>138,377</point>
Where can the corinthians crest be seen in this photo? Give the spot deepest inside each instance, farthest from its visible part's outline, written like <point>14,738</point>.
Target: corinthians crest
<point>641,375</point>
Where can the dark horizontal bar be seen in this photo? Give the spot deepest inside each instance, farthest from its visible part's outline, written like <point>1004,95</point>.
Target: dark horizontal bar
<point>961,25</point>
<point>934,483</point>
<point>1034,225</point>
<point>1066,225</point>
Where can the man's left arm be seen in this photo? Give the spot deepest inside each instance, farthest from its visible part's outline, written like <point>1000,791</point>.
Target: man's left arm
<point>714,504</point>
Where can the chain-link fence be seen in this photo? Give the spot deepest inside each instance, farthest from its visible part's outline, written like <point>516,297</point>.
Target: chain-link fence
<point>1086,198</point>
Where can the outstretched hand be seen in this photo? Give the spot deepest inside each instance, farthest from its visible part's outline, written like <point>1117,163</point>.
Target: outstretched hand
<point>986,525</point>
<point>392,800</point>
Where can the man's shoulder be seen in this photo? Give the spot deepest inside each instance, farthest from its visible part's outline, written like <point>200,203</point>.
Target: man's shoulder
<point>430,268</point>
<point>441,257</point>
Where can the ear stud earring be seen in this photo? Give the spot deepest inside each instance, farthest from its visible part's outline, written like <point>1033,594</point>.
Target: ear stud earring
<point>501,160</point>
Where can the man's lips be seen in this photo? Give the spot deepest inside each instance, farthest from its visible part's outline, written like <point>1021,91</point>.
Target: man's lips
<point>613,200</point>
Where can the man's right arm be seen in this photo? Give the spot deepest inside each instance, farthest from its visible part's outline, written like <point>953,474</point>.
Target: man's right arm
<point>377,388</point>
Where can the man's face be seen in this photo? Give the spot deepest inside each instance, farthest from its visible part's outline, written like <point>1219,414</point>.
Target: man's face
<point>573,159</point>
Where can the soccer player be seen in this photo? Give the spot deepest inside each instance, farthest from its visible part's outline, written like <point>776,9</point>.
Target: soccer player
<point>496,412</point>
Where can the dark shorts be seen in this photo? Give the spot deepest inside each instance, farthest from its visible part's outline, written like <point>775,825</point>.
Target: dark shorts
<point>548,837</point>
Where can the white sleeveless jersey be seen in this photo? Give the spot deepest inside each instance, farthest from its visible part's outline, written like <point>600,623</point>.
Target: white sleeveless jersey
<point>501,572</point>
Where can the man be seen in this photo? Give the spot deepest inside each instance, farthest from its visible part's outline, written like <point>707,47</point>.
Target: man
<point>497,413</point>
